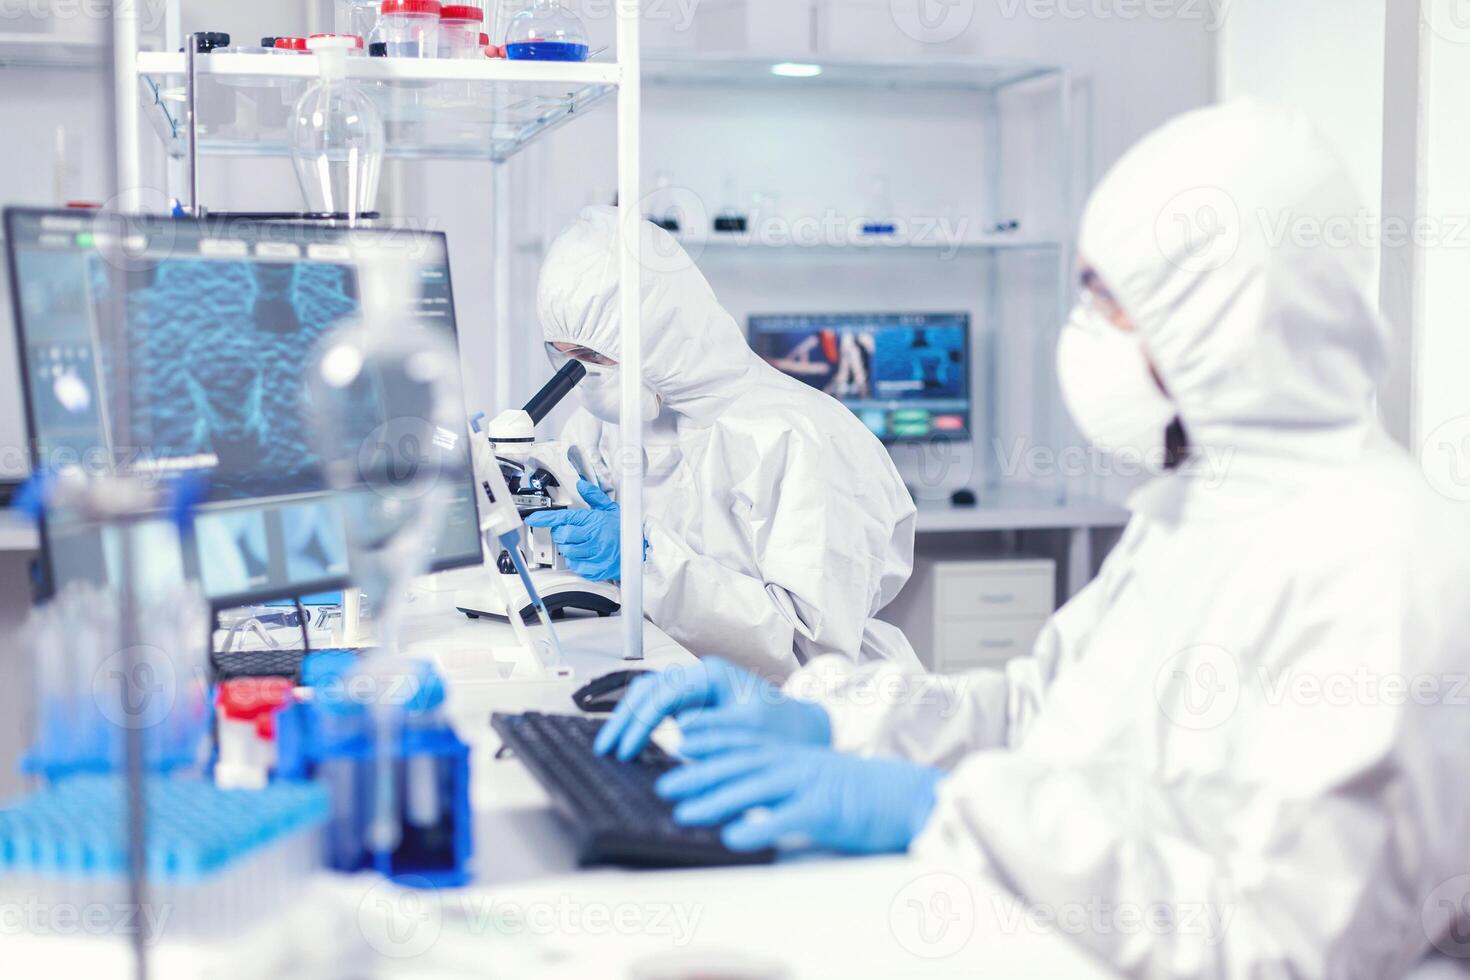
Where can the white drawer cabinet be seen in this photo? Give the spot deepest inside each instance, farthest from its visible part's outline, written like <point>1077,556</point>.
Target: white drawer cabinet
<point>960,615</point>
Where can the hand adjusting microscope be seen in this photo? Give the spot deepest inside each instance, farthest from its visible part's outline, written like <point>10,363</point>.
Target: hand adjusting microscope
<point>540,476</point>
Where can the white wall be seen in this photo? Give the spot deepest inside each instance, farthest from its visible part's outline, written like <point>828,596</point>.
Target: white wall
<point>1441,410</point>
<point>1322,57</point>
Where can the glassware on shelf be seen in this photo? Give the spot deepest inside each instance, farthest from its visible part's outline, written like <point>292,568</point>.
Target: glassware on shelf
<point>662,210</point>
<point>336,138</point>
<point>459,31</point>
<point>356,17</point>
<point>878,220</point>
<point>546,31</point>
<point>408,28</point>
<point>731,218</point>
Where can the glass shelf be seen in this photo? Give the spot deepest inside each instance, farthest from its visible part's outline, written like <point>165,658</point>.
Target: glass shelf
<point>432,108</point>
<point>796,73</point>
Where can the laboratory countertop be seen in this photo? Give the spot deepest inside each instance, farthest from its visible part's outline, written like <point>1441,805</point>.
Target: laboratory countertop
<point>1015,508</point>
<point>530,913</point>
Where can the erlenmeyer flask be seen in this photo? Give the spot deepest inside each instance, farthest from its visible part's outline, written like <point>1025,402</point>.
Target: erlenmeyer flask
<point>336,138</point>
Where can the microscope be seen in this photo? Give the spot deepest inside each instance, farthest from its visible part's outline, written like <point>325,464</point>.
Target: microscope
<point>540,475</point>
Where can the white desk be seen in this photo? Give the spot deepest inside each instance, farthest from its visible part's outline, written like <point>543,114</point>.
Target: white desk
<point>530,914</point>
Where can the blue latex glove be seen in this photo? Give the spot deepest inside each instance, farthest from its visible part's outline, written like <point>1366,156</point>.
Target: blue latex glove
<point>811,797</point>
<point>710,698</point>
<point>587,539</point>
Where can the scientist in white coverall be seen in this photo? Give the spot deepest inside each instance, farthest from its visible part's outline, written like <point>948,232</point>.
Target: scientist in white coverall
<point>1251,729</point>
<point>776,525</point>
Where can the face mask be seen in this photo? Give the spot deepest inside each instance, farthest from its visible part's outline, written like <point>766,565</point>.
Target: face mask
<point>602,393</point>
<point>1109,389</point>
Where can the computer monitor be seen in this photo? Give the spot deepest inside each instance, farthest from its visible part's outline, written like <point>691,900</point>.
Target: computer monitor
<point>205,373</point>
<point>905,375</point>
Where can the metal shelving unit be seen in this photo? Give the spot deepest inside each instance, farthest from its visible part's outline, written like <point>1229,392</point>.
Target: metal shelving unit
<point>435,109</point>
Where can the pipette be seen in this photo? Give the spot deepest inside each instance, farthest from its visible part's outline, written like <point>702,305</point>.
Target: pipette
<point>512,542</point>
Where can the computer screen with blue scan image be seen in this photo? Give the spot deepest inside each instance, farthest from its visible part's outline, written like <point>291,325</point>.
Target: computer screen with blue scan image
<point>905,375</point>
<point>206,375</point>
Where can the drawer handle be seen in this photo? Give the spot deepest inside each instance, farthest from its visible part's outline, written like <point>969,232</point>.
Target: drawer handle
<point>997,644</point>
<point>997,598</point>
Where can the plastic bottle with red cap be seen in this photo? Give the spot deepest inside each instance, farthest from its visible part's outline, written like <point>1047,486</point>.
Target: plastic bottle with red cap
<point>409,28</point>
<point>459,30</point>
<point>246,711</point>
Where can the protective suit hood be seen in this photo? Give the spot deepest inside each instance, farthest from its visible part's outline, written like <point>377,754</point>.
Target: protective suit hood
<point>1234,238</point>
<point>694,354</point>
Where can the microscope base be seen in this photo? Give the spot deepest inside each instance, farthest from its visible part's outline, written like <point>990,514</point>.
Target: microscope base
<point>559,590</point>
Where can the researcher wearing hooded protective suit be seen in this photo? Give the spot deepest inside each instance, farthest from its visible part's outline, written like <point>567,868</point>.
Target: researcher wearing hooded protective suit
<point>1248,735</point>
<point>776,525</point>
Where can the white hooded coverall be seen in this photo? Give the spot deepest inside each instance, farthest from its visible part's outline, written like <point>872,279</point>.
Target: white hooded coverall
<point>1244,750</point>
<point>777,525</point>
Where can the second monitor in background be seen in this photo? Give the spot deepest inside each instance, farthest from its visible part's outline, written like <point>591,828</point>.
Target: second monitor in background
<point>905,375</point>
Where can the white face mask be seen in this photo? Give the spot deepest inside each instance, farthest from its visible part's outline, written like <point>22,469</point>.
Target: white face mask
<point>1109,389</point>
<point>602,393</point>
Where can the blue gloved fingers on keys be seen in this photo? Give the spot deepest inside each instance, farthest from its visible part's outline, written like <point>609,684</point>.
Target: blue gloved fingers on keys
<point>704,776</point>
<point>776,827</point>
<point>709,743</point>
<point>650,699</point>
<point>763,788</point>
<point>813,795</point>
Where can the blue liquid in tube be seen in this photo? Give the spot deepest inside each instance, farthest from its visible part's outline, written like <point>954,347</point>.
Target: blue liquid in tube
<point>546,51</point>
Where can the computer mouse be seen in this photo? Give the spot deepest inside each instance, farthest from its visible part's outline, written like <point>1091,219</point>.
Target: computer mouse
<point>602,694</point>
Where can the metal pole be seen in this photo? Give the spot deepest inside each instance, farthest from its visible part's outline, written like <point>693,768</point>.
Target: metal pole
<point>137,803</point>
<point>500,283</point>
<point>123,98</point>
<point>191,119</point>
<point>630,297</point>
<point>126,180</point>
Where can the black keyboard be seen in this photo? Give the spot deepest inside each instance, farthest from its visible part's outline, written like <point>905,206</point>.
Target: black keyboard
<point>258,663</point>
<point>611,806</point>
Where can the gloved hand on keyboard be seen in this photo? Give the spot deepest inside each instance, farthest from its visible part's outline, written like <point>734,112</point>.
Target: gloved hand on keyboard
<point>793,796</point>
<point>709,699</point>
